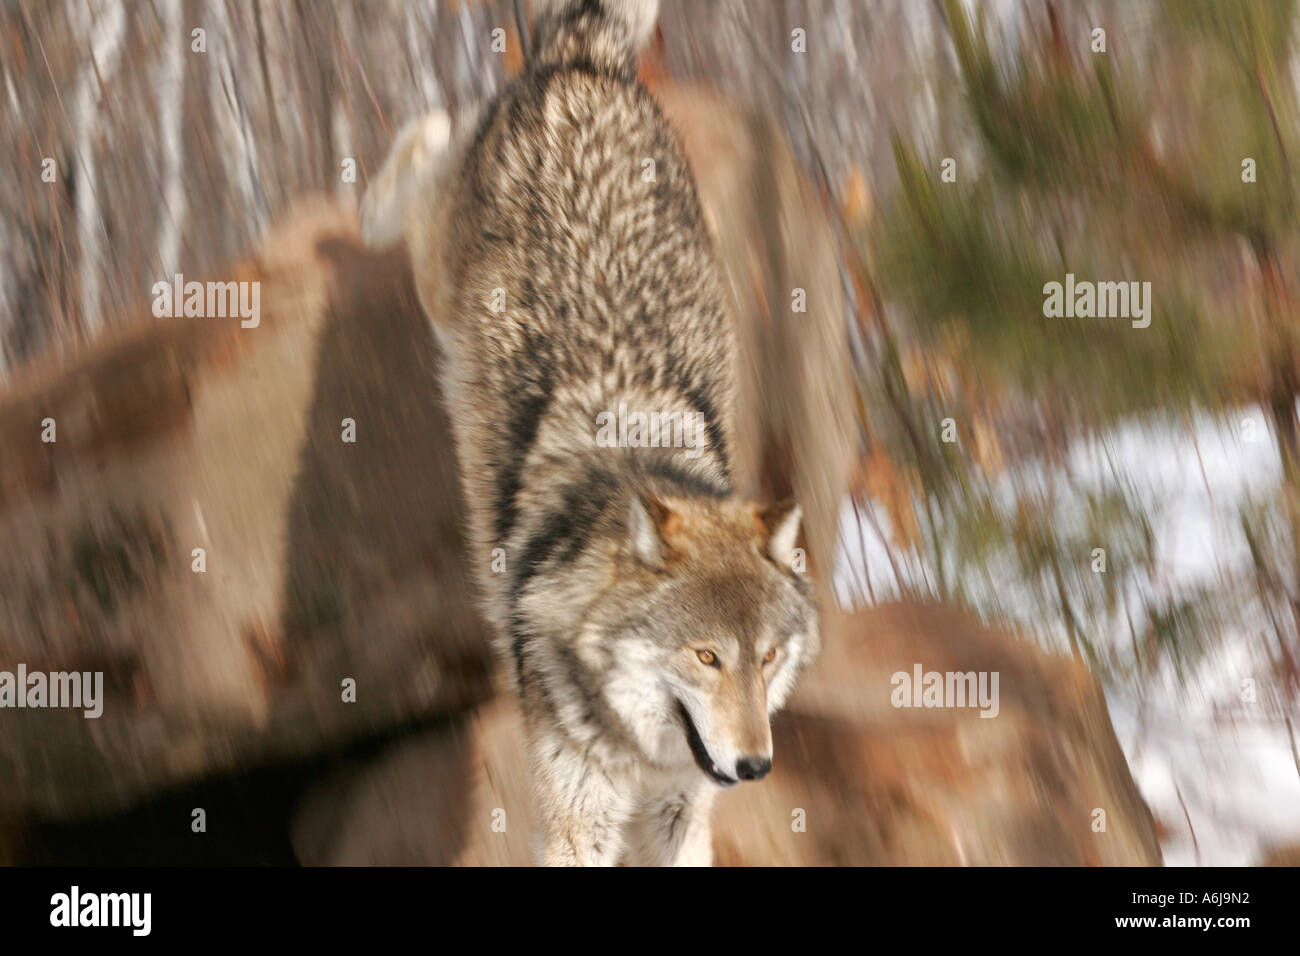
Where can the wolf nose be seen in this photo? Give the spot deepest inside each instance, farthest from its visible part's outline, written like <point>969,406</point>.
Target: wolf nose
<point>753,768</point>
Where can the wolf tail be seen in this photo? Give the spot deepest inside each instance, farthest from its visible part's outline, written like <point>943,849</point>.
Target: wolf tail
<point>601,34</point>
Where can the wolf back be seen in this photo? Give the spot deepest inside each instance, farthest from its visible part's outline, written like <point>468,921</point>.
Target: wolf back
<point>583,278</point>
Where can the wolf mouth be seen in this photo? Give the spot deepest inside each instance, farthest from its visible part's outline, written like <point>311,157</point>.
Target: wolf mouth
<point>701,752</point>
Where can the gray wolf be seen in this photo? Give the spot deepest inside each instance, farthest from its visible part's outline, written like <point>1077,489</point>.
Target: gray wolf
<point>652,619</point>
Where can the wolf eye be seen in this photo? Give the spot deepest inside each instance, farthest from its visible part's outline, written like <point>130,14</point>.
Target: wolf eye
<point>770,656</point>
<point>707,657</point>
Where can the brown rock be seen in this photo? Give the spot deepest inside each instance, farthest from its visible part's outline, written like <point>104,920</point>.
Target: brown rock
<point>1022,787</point>
<point>324,560</point>
<point>452,796</point>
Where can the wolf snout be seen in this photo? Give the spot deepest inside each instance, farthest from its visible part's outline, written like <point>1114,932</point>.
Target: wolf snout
<point>753,768</point>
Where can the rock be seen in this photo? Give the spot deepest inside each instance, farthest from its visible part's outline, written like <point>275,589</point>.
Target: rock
<point>325,560</point>
<point>457,795</point>
<point>909,786</point>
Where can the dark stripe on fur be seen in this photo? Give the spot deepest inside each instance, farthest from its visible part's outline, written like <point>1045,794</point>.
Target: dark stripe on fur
<point>536,378</point>
<point>517,641</point>
<point>564,532</point>
<point>688,483</point>
<point>696,392</point>
<point>699,398</point>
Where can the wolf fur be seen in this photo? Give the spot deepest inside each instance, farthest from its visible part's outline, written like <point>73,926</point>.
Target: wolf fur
<point>651,619</point>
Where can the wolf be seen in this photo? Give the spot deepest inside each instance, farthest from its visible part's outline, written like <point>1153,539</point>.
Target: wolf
<point>652,620</point>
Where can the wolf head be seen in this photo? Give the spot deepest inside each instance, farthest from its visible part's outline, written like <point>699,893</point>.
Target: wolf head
<point>699,630</point>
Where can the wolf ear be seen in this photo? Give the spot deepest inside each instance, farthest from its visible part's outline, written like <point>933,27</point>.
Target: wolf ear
<point>647,520</point>
<point>780,524</point>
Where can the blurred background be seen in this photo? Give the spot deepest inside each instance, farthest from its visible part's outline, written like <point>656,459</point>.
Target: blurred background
<point>1108,515</point>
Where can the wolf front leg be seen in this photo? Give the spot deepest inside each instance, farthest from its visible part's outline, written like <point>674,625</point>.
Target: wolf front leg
<point>672,829</point>
<point>582,809</point>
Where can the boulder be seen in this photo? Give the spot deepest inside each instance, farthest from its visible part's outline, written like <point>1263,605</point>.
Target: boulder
<point>324,560</point>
